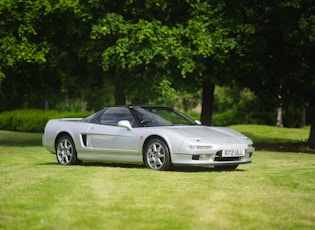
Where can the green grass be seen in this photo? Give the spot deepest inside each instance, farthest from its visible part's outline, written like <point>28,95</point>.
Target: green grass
<point>276,191</point>
<point>9,138</point>
<point>271,134</point>
<point>276,138</point>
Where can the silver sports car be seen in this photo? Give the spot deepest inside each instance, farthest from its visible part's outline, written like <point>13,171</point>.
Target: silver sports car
<point>157,136</point>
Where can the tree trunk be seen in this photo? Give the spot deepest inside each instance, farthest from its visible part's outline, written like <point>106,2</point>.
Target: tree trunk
<point>120,98</point>
<point>82,102</point>
<point>279,117</point>
<point>207,102</point>
<point>67,109</point>
<point>311,139</point>
<point>46,105</point>
<point>303,116</point>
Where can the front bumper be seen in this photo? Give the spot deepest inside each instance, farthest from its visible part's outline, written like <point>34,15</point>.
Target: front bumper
<point>211,159</point>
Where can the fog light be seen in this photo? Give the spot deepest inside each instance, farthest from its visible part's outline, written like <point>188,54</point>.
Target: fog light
<point>204,157</point>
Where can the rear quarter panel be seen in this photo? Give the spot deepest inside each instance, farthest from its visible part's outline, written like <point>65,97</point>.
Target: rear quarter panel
<point>73,127</point>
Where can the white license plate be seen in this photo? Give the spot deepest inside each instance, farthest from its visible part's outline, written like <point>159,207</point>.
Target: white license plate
<point>233,152</point>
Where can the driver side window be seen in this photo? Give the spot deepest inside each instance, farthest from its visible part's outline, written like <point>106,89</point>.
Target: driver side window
<point>112,116</point>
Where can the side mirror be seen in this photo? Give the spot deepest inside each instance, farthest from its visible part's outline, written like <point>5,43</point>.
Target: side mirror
<point>198,122</point>
<point>125,124</point>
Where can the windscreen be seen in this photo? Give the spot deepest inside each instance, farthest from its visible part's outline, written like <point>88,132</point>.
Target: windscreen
<point>160,116</point>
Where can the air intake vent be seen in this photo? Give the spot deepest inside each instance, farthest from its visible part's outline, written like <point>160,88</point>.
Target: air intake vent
<point>84,139</point>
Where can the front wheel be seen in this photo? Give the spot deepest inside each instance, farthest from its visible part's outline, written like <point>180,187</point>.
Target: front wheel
<point>157,155</point>
<point>65,151</point>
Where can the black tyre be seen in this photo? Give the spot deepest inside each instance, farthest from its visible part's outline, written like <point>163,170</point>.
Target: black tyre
<point>65,151</point>
<point>226,167</point>
<point>157,155</point>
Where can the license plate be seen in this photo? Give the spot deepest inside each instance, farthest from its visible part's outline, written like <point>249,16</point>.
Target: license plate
<point>233,152</point>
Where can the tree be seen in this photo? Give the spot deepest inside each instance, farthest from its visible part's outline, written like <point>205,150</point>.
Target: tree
<point>278,59</point>
<point>43,48</point>
<point>141,53</point>
<point>18,52</point>
<point>210,37</point>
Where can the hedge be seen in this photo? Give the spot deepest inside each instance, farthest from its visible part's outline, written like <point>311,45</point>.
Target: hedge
<point>32,120</point>
<point>241,117</point>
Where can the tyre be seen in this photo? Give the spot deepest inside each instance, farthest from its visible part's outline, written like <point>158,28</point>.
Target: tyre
<point>226,167</point>
<point>157,155</point>
<point>65,151</point>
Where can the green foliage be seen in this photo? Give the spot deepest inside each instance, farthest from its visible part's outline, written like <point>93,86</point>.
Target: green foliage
<point>234,105</point>
<point>230,118</point>
<point>1,76</point>
<point>241,117</point>
<point>194,115</point>
<point>54,51</point>
<point>141,54</point>
<point>233,98</point>
<point>208,33</point>
<point>31,120</point>
<point>18,18</point>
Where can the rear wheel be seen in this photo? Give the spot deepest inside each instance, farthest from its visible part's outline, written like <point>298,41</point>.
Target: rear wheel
<point>65,151</point>
<point>157,155</point>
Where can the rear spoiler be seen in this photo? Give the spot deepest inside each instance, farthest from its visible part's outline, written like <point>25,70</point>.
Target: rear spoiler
<point>70,119</point>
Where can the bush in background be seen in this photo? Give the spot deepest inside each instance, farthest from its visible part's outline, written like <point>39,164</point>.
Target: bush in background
<point>241,117</point>
<point>32,120</point>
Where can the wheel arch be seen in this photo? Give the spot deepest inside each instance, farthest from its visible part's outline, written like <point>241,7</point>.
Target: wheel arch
<point>59,135</point>
<point>74,158</point>
<point>149,138</point>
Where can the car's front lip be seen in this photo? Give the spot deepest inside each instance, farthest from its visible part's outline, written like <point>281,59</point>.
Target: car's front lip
<point>186,159</point>
<point>212,157</point>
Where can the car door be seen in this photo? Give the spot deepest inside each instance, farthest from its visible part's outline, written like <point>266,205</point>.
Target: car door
<point>111,142</point>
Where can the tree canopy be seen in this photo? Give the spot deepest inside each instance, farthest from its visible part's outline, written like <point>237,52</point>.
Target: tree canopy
<point>102,52</point>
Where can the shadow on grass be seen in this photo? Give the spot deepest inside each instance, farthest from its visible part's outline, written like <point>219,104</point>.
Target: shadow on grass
<point>188,169</point>
<point>19,139</point>
<point>284,147</point>
<point>192,169</point>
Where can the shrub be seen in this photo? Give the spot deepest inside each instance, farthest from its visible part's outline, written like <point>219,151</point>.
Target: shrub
<point>232,118</point>
<point>241,117</point>
<point>31,120</point>
<point>6,119</point>
<point>193,115</point>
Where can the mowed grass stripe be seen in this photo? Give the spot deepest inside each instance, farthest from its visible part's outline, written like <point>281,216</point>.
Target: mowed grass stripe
<point>275,191</point>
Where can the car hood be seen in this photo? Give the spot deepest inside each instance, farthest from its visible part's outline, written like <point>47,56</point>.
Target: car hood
<point>215,135</point>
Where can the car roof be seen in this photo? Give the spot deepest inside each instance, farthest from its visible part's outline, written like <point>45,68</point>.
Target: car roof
<point>135,106</point>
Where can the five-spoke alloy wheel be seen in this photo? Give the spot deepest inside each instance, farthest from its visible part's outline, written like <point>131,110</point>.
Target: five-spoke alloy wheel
<point>65,151</point>
<point>157,155</point>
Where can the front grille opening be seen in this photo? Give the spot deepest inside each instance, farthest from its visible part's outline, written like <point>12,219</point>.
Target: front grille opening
<point>195,157</point>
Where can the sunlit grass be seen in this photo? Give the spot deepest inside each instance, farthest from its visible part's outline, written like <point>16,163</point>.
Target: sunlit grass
<point>272,134</point>
<point>276,191</point>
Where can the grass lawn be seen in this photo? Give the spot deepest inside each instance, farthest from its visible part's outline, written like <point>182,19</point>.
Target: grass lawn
<point>276,191</point>
<point>272,134</point>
